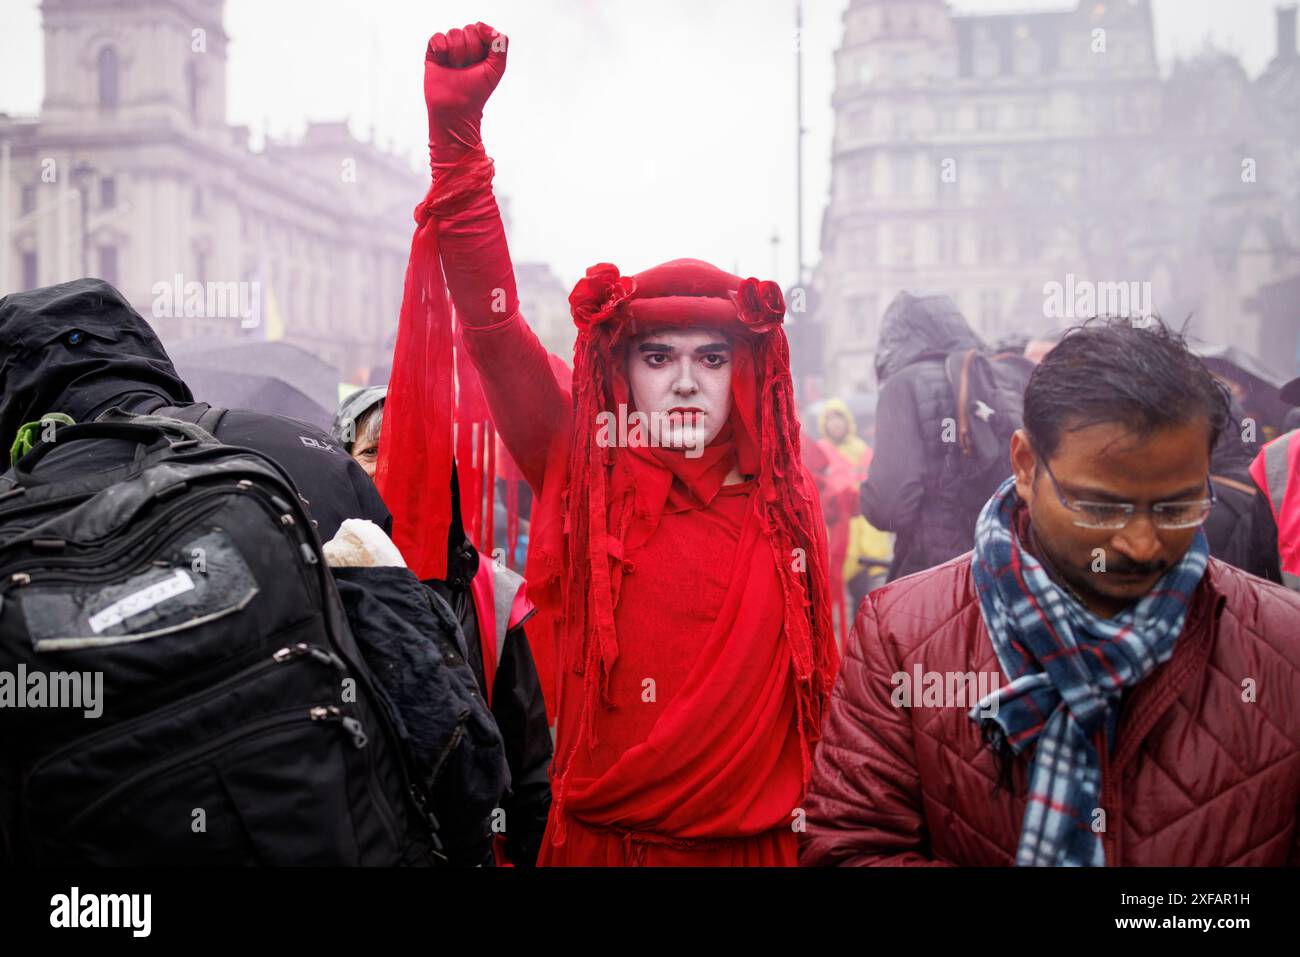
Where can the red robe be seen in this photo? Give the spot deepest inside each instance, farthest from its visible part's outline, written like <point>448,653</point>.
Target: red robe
<point>696,659</point>
<point>671,590</point>
<point>839,491</point>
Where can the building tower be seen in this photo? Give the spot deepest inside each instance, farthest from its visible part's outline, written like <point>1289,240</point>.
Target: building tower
<point>149,64</point>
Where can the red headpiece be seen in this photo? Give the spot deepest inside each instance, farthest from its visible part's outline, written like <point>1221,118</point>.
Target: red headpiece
<point>610,310</point>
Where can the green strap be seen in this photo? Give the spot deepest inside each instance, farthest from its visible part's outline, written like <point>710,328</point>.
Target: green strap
<point>29,434</point>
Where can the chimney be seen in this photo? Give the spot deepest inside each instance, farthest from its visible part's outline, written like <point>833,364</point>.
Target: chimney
<point>1286,37</point>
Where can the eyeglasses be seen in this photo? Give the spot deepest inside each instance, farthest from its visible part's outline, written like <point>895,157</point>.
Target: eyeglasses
<point>1116,515</point>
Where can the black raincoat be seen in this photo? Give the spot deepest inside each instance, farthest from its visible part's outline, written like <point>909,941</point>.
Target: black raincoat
<point>1240,529</point>
<point>516,697</point>
<point>79,348</point>
<point>913,488</point>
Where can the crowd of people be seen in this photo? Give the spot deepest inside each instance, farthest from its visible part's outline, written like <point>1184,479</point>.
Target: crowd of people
<point>1040,608</point>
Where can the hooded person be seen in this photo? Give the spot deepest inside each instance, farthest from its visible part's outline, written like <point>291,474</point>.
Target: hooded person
<point>79,349</point>
<point>681,574</point>
<point>76,350</point>
<point>488,601</point>
<point>850,453</point>
<point>357,423</point>
<point>847,459</point>
<point>915,489</point>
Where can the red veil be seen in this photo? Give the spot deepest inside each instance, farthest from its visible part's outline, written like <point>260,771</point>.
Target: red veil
<point>770,658</point>
<point>728,754</point>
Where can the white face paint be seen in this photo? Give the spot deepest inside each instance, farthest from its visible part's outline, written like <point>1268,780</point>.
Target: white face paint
<point>683,376</point>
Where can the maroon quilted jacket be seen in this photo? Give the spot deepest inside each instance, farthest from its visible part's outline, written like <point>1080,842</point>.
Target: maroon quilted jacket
<point>1197,775</point>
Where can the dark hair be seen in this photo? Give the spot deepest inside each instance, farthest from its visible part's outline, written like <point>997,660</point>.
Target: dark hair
<point>1139,374</point>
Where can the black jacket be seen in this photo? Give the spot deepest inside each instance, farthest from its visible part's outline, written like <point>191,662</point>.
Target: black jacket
<point>410,640</point>
<point>517,703</point>
<point>913,487</point>
<point>516,696</point>
<point>80,349</point>
<point>1236,532</point>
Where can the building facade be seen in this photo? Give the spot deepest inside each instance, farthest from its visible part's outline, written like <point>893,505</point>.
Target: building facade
<point>133,132</point>
<point>1000,157</point>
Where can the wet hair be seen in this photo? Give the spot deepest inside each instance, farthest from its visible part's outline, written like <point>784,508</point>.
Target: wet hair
<point>1116,370</point>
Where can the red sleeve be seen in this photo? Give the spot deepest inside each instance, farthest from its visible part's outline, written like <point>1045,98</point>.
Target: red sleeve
<point>527,405</point>
<point>475,257</point>
<point>864,800</point>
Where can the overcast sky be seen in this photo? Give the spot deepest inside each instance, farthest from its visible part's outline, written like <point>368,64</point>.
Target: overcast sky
<point>632,131</point>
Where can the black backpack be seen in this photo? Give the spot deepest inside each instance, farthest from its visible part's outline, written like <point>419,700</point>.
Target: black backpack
<point>239,723</point>
<point>990,394</point>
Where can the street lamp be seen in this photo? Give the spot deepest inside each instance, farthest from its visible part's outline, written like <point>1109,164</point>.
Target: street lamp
<point>82,174</point>
<point>798,140</point>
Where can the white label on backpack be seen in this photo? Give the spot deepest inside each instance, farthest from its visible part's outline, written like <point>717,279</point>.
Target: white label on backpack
<point>142,600</point>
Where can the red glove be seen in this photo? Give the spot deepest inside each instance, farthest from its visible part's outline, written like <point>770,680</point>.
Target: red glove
<point>459,222</point>
<point>461,69</point>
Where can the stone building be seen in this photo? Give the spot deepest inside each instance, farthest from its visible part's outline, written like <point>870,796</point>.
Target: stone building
<point>990,156</point>
<point>133,130</point>
<point>544,302</point>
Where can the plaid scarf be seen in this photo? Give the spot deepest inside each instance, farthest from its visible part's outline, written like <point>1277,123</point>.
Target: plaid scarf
<point>1066,669</point>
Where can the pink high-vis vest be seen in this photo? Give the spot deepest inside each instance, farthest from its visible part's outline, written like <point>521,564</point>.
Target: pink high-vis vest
<point>1275,471</point>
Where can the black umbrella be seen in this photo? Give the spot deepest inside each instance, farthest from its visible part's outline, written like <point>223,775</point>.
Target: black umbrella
<point>1258,383</point>
<point>262,376</point>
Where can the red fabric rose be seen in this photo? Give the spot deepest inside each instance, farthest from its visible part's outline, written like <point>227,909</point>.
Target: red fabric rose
<point>761,305</point>
<point>596,297</point>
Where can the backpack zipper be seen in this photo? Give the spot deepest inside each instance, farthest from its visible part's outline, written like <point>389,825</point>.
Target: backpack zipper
<point>282,656</point>
<point>416,792</point>
<point>249,729</point>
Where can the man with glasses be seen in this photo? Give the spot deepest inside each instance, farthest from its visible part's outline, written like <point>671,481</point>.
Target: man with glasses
<point>1142,708</point>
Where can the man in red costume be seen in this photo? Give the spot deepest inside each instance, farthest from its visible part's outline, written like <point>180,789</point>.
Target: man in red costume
<point>677,551</point>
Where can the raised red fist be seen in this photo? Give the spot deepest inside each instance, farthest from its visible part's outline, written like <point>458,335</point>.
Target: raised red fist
<point>461,69</point>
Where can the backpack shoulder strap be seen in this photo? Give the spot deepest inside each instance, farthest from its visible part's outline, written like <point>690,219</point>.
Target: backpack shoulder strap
<point>963,400</point>
<point>1240,486</point>
<point>206,417</point>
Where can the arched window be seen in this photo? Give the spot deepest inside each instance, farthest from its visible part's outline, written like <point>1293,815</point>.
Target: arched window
<point>107,70</point>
